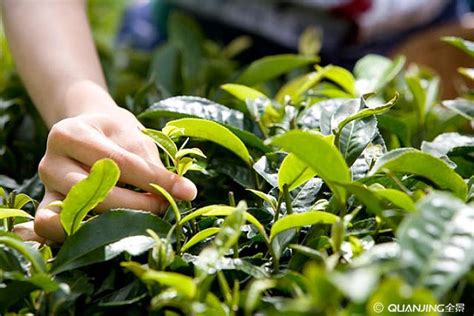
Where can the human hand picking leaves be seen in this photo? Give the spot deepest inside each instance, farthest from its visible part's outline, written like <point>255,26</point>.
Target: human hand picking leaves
<point>56,58</point>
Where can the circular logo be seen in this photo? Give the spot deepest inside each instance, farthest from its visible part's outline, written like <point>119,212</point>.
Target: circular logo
<point>378,307</point>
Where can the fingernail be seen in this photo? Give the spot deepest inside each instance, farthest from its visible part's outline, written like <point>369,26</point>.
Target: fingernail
<point>184,189</point>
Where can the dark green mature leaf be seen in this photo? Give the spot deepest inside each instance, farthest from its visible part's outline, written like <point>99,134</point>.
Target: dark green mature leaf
<point>373,72</point>
<point>213,132</point>
<point>165,68</point>
<point>101,231</point>
<point>355,137</point>
<point>320,154</point>
<point>462,107</point>
<point>88,193</point>
<point>267,167</point>
<point>437,244</point>
<point>293,172</point>
<point>412,161</point>
<point>465,45</point>
<point>445,143</point>
<point>273,66</point>
<point>300,220</point>
<point>187,106</point>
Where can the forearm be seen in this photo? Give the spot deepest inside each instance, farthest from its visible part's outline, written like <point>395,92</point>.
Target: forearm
<point>55,56</point>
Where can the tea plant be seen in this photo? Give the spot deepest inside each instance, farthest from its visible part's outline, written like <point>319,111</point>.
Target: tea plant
<point>332,194</point>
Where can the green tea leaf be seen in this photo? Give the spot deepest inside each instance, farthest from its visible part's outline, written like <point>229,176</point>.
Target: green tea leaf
<point>437,247</point>
<point>465,45</point>
<point>300,220</point>
<point>412,161</point>
<point>293,172</point>
<point>242,92</point>
<point>231,229</point>
<point>88,193</point>
<point>341,77</point>
<point>163,141</point>
<point>31,254</point>
<point>368,112</point>
<point>397,198</point>
<point>273,66</point>
<point>87,245</point>
<point>202,235</point>
<point>221,209</point>
<point>373,72</point>
<point>168,198</point>
<point>354,138</point>
<point>190,151</point>
<point>320,154</point>
<point>12,212</point>
<point>266,197</point>
<point>181,283</point>
<point>296,88</point>
<point>214,132</point>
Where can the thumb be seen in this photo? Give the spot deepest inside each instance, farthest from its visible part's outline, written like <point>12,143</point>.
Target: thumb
<point>47,220</point>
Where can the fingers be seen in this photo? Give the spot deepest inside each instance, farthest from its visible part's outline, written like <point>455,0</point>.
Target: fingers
<point>47,222</point>
<point>91,146</point>
<point>67,173</point>
<point>26,232</point>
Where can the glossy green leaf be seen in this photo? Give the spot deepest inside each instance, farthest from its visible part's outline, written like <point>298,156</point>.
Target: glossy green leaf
<point>88,244</point>
<point>354,138</point>
<point>412,161</point>
<point>273,66</point>
<point>437,244</point>
<point>296,88</point>
<point>214,132</point>
<point>255,291</point>
<point>202,235</point>
<point>242,92</point>
<point>163,141</point>
<point>293,172</point>
<point>300,220</point>
<point>320,154</point>
<point>88,193</point>
<point>13,212</point>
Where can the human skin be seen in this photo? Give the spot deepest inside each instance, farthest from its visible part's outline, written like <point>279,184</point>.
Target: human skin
<point>55,55</point>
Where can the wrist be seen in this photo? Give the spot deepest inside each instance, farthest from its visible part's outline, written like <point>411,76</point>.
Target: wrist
<point>83,97</point>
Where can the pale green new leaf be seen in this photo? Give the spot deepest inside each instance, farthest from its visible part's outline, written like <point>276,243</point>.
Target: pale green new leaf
<point>320,154</point>
<point>293,172</point>
<point>202,235</point>
<point>213,132</point>
<point>273,66</point>
<point>88,193</point>
<point>242,92</point>
<point>412,161</point>
<point>13,212</point>
<point>163,141</point>
<point>300,220</point>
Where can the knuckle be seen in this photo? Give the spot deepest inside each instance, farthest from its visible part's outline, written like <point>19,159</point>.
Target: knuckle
<point>41,223</point>
<point>44,168</point>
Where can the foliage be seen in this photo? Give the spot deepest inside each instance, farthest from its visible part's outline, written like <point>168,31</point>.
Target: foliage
<point>346,199</point>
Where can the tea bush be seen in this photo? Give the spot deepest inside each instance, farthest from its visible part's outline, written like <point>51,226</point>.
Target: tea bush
<point>321,192</point>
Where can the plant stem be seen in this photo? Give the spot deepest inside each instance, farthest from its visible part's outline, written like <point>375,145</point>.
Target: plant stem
<point>231,199</point>
<point>278,208</point>
<point>397,181</point>
<point>286,194</point>
<point>224,288</point>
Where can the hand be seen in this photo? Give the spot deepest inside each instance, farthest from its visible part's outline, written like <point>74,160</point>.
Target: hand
<point>75,143</point>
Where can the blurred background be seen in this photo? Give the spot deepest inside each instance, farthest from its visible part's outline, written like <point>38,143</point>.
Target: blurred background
<point>153,49</point>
